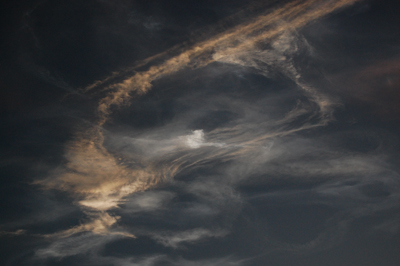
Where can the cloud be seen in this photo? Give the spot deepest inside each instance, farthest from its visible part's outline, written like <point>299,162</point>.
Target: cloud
<point>196,140</point>
<point>100,224</point>
<point>110,174</point>
<point>157,259</point>
<point>148,201</point>
<point>390,227</point>
<point>99,184</point>
<point>212,262</point>
<point>160,259</point>
<point>80,244</point>
<point>15,233</point>
<point>375,87</point>
<point>350,197</point>
<point>98,177</point>
<point>176,240</point>
<point>241,38</point>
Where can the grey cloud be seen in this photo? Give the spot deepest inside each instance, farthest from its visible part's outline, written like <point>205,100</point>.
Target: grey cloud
<point>351,199</point>
<point>148,201</point>
<point>295,156</point>
<point>179,239</point>
<point>79,244</point>
<point>222,261</point>
<point>281,57</point>
<point>390,227</point>
<point>164,260</point>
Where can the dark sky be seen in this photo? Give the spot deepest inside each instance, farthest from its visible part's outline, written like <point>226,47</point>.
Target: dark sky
<point>200,133</point>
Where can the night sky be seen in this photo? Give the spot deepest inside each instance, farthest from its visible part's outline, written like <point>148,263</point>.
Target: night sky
<point>200,133</point>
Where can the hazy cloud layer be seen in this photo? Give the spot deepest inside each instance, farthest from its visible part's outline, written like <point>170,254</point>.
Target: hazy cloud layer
<point>221,150</point>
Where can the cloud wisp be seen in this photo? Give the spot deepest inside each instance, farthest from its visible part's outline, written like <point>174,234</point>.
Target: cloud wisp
<point>182,182</point>
<point>241,38</point>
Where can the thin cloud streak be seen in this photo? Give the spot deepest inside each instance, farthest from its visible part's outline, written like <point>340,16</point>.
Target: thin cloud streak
<point>241,38</point>
<point>174,240</point>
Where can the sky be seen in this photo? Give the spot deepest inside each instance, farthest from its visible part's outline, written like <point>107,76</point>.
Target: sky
<point>200,133</point>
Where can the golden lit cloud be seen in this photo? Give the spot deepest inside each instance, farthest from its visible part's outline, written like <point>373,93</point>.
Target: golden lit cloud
<point>241,38</point>
<point>97,178</point>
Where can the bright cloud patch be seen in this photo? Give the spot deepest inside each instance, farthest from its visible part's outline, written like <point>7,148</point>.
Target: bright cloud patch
<point>197,140</point>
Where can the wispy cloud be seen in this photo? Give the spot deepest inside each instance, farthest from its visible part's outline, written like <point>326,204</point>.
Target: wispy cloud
<point>110,174</point>
<point>235,41</point>
<point>174,240</point>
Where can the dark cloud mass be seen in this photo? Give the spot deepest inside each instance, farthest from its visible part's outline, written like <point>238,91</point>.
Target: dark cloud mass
<point>149,133</point>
